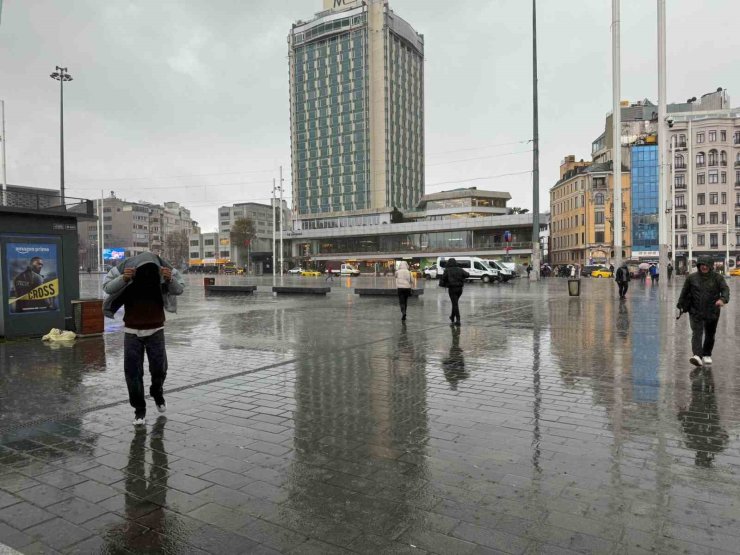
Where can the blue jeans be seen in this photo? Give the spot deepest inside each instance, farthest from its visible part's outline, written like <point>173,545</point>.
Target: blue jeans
<point>134,348</point>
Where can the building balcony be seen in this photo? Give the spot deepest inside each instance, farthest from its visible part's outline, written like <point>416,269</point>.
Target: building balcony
<point>723,163</point>
<point>712,163</point>
<point>680,208</point>
<point>737,163</point>
<point>681,226</point>
<point>679,186</point>
<point>700,164</point>
<point>679,167</point>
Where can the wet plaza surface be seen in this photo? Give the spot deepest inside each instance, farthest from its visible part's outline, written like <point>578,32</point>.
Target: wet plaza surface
<point>544,424</point>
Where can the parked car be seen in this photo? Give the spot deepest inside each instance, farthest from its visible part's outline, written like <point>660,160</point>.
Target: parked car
<point>430,272</point>
<point>295,271</point>
<point>476,268</point>
<point>310,273</point>
<point>602,273</point>
<point>586,271</point>
<point>735,272</point>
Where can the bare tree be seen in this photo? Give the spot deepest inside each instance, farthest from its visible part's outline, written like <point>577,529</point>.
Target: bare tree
<point>176,248</point>
<point>242,235</point>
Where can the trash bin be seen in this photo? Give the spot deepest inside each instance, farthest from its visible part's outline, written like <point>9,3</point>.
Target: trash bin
<point>209,281</point>
<point>574,287</point>
<point>88,317</point>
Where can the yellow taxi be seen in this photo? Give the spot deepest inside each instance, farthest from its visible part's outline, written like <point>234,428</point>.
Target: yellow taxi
<point>601,273</point>
<point>310,273</point>
<point>735,272</point>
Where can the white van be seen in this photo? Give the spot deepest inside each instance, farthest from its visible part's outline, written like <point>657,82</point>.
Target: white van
<point>504,273</point>
<point>346,270</point>
<point>476,267</point>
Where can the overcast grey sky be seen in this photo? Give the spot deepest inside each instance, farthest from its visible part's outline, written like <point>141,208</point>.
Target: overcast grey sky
<point>188,100</point>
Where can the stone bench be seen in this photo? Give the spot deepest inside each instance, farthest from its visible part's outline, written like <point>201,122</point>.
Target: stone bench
<point>245,289</point>
<point>284,290</point>
<point>384,292</point>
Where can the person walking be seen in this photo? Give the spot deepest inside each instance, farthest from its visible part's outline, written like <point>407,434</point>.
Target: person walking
<point>622,277</point>
<point>329,274</point>
<point>654,274</point>
<point>529,270</point>
<point>670,271</point>
<point>145,285</point>
<point>453,279</point>
<point>403,285</point>
<point>703,295</point>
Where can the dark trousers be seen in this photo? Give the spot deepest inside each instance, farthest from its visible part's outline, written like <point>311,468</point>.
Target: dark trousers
<point>403,299</point>
<point>706,328</point>
<point>455,293</point>
<point>134,348</point>
<point>623,286</point>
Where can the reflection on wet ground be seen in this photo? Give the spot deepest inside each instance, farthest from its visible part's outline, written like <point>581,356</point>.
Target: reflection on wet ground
<point>545,424</point>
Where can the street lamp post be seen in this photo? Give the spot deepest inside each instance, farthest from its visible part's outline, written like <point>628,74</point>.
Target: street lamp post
<point>535,262</point>
<point>61,75</point>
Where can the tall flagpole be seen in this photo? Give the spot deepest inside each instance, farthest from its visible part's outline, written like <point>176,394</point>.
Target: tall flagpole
<point>616,135</point>
<point>662,142</point>
<point>535,262</point>
<point>5,180</point>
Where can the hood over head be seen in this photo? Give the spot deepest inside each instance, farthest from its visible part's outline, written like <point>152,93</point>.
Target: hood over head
<point>451,262</point>
<point>403,265</point>
<point>706,261</point>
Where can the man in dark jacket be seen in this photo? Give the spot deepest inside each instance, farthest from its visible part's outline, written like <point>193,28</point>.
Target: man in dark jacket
<point>623,278</point>
<point>454,279</point>
<point>704,293</point>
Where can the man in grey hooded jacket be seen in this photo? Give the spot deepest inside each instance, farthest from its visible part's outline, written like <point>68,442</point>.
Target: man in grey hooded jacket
<point>145,285</point>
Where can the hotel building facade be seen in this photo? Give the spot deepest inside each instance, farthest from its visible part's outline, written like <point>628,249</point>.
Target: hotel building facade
<point>357,115</point>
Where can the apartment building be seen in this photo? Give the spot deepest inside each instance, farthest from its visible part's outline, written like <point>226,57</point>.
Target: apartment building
<point>133,227</point>
<point>582,213</point>
<point>705,179</point>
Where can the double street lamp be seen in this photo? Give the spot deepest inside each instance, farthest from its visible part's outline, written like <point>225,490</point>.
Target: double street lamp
<point>61,75</point>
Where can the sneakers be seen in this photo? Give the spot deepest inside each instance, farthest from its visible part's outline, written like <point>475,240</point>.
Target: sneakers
<point>696,360</point>
<point>139,421</point>
<point>707,360</point>
<point>162,408</point>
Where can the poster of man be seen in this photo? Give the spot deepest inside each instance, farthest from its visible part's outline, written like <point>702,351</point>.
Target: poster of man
<point>32,273</point>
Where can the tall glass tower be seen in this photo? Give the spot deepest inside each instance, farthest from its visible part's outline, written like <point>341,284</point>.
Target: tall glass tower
<point>357,114</point>
<point>644,199</point>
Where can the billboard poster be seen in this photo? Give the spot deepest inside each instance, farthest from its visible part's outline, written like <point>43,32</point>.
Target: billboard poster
<point>114,254</point>
<point>32,275</point>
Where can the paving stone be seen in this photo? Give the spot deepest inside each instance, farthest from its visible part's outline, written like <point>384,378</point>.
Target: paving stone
<point>23,515</point>
<point>58,533</point>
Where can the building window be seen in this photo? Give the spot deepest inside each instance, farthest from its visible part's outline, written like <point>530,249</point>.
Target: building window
<point>713,218</point>
<point>701,178</point>
<point>680,162</point>
<point>723,158</point>
<point>724,177</point>
<point>599,236</point>
<point>713,177</point>
<point>713,243</point>
<point>724,218</point>
<point>723,136</point>
<point>700,219</point>
<point>680,181</point>
<point>701,199</point>
<point>712,136</point>
<point>680,202</point>
<point>599,217</point>
<point>700,138</point>
<point>713,198</point>
<point>724,198</point>
<point>736,137</point>
<point>700,160</point>
<point>682,140</point>
<point>712,157</point>
<point>599,199</point>
<point>700,239</point>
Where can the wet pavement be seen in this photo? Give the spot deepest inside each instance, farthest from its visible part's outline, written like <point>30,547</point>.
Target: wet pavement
<point>545,424</point>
